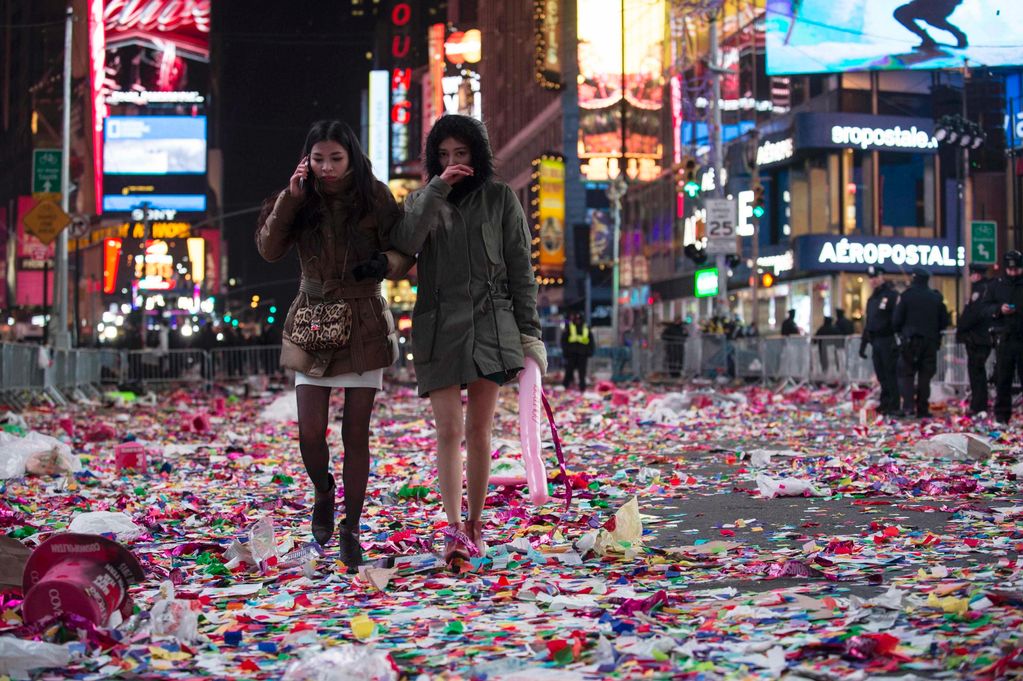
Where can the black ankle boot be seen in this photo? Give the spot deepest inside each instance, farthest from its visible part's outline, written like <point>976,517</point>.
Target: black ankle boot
<point>351,549</point>
<point>323,513</point>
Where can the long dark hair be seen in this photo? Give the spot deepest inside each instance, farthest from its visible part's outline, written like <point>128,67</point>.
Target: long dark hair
<point>307,219</point>
<point>469,132</point>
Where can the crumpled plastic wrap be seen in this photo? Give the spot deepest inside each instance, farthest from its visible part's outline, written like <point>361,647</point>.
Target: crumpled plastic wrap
<point>623,532</point>
<point>35,454</point>
<point>344,663</point>
<point>19,656</point>
<point>789,487</point>
<point>172,616</point>
<point>959,446</point>
<point>105,522</point>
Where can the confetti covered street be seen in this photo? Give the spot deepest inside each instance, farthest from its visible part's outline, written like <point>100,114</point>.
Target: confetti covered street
<point>712,534</point>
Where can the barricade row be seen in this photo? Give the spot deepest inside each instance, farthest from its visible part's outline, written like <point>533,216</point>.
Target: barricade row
<point>800,359</point>
<point>28,372</point>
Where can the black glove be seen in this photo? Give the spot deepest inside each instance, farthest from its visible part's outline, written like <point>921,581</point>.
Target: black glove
<point>863,350</point>
<point>374,268</point>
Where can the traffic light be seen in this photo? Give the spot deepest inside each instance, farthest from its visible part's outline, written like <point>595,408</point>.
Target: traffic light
<point>766,280</point>
<point>690,185</point>
<point>758,202</point>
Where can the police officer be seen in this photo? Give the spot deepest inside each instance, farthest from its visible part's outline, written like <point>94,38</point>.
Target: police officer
<point>1005,305</point>
<point>919,319</point>
<point>577,346</point>
<point>974,332</point>
<point>880,334</point>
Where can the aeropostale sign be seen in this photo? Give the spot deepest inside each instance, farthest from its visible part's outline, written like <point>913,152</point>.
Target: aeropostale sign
<point>818,252</point>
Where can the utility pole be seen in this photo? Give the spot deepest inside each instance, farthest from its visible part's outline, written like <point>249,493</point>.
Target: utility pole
<point>61,337</point>
<point>616,193</point>
<point>716,147</point>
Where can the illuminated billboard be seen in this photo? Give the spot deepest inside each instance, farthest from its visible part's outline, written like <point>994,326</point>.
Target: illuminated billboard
<point>154,145</point>
<point>156,159</point>
<point>551,215</point>
<point>600,82</point>
<point>823,36</point>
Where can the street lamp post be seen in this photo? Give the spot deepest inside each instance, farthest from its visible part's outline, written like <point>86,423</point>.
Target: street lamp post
<point>616,193</point>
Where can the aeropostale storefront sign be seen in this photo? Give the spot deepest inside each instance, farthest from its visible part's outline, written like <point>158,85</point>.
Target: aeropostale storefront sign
<point>852,254</point>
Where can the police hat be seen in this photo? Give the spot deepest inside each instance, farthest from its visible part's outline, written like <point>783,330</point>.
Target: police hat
<point>875,271</point>
<point>1013,259</point>
<point>978,268</point>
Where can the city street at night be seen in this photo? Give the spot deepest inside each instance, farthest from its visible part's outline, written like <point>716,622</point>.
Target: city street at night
<point>511,340</point>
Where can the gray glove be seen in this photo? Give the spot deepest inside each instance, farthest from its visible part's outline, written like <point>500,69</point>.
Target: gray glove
<point>534,347</point>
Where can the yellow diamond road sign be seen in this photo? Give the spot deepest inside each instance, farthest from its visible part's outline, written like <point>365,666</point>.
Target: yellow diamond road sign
<point>46,220</point>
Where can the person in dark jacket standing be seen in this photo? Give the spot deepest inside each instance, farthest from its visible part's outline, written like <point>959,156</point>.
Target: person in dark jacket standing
<point>843,325</point>
<point>974,332</point>
<point>880,335</point>
<point>920,317</point>
<point>789,326</point>
<point>577,345</point>
<point>1004,304</point>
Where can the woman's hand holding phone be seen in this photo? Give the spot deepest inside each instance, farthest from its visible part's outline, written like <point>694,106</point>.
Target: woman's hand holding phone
<point>296,187</point>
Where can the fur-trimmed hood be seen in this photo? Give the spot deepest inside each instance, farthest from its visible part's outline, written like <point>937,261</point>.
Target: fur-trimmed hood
<point>472,133</point>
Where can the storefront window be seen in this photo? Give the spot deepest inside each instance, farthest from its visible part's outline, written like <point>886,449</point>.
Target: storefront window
<point>854,185</point>
<point>907,195</point>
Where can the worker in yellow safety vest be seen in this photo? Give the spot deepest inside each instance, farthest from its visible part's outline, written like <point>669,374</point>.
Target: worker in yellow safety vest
<point>577,344</point>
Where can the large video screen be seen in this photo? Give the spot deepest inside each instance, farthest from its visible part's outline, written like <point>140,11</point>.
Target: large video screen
<point>154,145</point>
<point>825,36</point>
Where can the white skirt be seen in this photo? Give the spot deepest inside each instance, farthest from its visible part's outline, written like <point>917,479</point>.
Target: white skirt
<point>367,379</point>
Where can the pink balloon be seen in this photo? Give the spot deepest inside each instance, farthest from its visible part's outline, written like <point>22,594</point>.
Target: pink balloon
<point>531,419</point>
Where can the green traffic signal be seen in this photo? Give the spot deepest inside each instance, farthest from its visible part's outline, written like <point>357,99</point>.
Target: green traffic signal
<point>758,211</point>
<point>691,188</point>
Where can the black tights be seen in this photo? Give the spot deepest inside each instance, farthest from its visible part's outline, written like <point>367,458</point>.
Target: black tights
<point>313,410</point>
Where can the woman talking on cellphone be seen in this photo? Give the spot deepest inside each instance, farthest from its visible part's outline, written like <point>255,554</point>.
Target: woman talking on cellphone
<point>339,332</point>
<point>475,316</point>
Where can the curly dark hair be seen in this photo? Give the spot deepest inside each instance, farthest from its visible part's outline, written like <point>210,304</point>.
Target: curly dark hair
<point>473,134</point>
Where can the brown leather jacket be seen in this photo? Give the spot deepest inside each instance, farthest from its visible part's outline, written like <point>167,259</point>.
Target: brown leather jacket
<point>328,258</point>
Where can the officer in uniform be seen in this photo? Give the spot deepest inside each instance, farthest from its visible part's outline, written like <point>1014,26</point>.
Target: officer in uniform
<point>919,319</point>
<point>879,333</point>
<point>577,345</point>
<point>974,332</point>
<point>1005,305</point>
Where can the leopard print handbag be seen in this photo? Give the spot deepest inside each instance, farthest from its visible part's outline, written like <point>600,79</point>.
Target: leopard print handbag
<point>322,326</point>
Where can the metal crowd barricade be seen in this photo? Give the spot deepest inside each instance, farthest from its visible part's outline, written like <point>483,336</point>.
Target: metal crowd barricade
<point>786,358</point>
<point>238,364</point>
<point>21,377</point>
<point>828,359</point>
<point>154,368</point>
<point>748,355</point>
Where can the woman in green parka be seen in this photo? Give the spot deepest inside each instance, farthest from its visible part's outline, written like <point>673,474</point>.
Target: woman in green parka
<point>475,316</point>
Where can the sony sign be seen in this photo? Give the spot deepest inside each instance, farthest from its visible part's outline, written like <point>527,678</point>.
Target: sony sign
<point>846,252</point>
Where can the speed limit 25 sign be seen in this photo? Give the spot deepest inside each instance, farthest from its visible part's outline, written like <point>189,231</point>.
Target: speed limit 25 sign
<point>722,216</point>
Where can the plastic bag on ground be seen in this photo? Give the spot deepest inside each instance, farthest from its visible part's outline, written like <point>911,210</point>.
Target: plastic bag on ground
<point>961,446</point>
<point>172,616</point>
<point>344,663</point>
<point>18,656</point>
<point>789,487</point>
<point>35,454</point>
<point>262,541</point>
<point>104,522</point>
